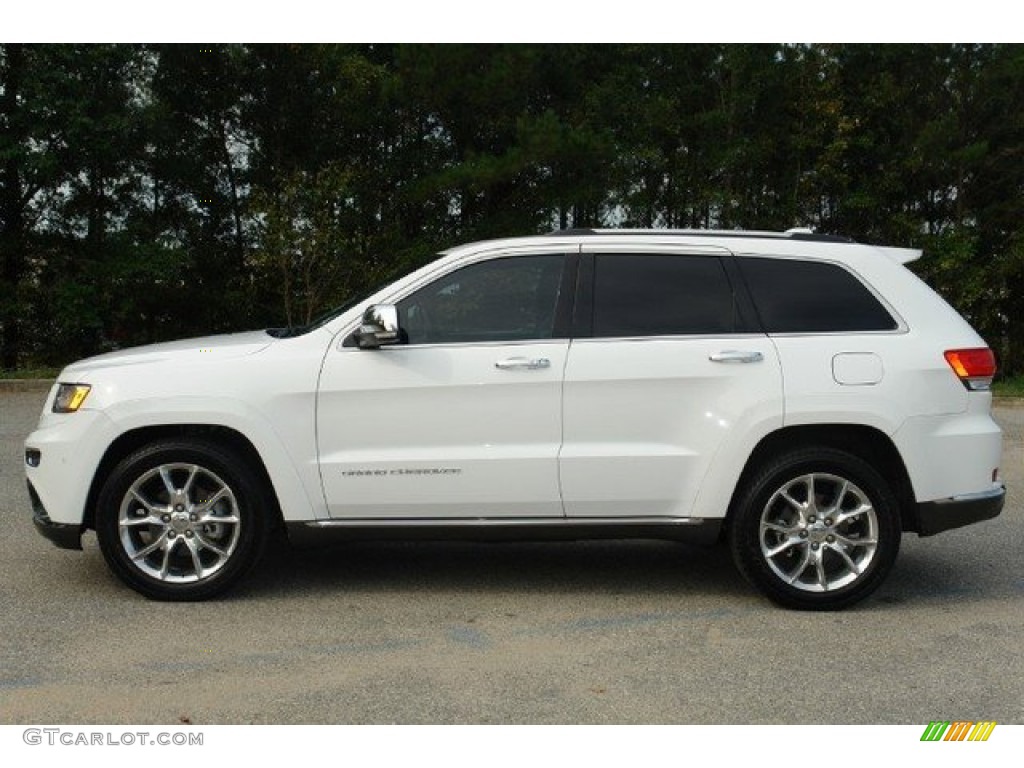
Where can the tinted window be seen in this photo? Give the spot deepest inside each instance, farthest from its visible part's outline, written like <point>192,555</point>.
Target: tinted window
<point>661,295</point>
<point>499,300</point>
<point>808,296</point>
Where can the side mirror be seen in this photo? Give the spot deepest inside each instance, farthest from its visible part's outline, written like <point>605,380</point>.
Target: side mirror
<point>379,327</point>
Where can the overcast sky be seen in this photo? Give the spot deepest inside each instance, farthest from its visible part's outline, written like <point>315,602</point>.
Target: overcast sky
<point>518,21</point>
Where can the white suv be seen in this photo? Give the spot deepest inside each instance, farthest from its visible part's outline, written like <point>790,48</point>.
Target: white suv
<point>806,397</point>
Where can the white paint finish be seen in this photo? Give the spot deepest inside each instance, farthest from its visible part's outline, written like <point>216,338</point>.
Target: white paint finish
<point>267,395</point>
<point>71,446</point>
<point>857,369</point>
<point>949,456</point>
<point>486,438</point>
<point>643,419</point>
<point>205,349</point>
<point>917,380</point>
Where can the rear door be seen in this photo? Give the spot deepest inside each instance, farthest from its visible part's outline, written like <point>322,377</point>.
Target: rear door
<point>664,367</point>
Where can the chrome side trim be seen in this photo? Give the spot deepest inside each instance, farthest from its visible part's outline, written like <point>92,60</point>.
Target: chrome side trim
<point>996,491</point>
<point>931,517</point>
<point>499,522</point>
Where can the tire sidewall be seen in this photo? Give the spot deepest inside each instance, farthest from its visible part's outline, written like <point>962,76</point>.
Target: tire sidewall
<point>234,472</point>
<point>746,521</point>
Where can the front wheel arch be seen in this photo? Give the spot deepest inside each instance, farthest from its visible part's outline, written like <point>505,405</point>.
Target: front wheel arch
<point>182,519</point>
<point>134,439</point>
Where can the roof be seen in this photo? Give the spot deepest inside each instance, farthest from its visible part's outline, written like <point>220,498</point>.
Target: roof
<point>793,242</point>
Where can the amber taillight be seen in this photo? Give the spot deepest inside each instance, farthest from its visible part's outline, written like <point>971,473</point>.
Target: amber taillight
<point>974,367</point>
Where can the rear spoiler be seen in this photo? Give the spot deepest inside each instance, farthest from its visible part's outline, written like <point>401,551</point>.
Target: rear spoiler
<point>901,255</point>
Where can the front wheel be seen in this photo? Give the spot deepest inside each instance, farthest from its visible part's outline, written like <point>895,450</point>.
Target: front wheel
<point>816,529</point>
<point>181,520</point>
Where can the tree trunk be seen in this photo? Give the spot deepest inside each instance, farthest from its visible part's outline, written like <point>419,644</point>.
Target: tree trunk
<point>236,204</point>
<point>12,214</point>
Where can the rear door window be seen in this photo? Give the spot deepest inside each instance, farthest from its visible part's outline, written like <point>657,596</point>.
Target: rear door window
<point>661,295</point>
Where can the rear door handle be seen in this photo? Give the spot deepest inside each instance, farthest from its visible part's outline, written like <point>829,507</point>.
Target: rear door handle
<point>736,356</point>
<point>523,364</point>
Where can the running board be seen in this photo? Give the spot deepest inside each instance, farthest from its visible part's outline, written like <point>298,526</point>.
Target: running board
<point>314,532</point>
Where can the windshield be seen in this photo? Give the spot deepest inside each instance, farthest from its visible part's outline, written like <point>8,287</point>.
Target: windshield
<point>299,330</point>
<point>322,320</point>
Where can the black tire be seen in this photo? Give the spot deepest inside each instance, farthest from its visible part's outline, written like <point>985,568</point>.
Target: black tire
<point>182,519</point>
<point>824,549</point>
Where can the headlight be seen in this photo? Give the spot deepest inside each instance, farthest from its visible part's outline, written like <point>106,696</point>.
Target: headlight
<point>70,397</point>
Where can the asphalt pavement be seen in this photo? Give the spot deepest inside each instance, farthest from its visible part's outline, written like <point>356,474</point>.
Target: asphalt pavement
<point>597,632</point>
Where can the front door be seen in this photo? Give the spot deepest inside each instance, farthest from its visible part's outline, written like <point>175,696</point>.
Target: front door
<point>463,420</point>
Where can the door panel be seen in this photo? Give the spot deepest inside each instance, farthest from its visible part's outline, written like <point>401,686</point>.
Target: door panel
<point>464,419</point>
<point>442,431</point>
<point>646,411</point>
<point>644,418</point>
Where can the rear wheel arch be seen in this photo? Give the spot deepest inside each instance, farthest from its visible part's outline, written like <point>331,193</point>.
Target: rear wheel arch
<point>866,443</point>
<point>815,527</point>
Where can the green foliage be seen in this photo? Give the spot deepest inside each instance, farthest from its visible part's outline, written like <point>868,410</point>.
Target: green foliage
<point>1009,386</point>
<point>29,373</point>
<point>306,232</point>
<point>150,192</point>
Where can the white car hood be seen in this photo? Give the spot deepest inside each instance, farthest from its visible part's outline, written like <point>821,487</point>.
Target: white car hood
<point>209,347</point>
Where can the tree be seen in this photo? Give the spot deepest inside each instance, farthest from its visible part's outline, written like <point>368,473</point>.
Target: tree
<point>144,190</point>
<point>14,155</point>
<point>307,230</point>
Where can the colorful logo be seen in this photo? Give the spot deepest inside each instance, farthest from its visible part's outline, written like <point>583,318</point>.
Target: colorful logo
<point>958,730</point>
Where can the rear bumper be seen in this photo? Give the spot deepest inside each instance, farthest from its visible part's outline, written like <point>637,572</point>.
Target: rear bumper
<point>937,516</point>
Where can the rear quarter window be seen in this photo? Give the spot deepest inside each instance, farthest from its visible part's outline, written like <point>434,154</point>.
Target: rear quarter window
<point>794,296</point>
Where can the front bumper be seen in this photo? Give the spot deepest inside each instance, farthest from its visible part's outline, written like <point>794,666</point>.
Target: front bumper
<point>64,535</point>
<point>66,450</point>
<point>937,516</point>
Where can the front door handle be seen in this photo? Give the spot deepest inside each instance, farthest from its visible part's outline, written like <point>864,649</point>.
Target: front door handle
<point>736,356</point>
<point>523,364</point>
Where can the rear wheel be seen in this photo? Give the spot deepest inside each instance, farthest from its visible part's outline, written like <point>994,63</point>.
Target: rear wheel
<point>181,520</point>
<point>815,529</point>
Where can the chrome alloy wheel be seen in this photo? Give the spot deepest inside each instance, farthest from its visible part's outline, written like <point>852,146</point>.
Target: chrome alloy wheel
<point>179,523</point>
<point>818,532</point>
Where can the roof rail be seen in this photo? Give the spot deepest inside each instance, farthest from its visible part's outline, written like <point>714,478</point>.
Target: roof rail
<point>790,234</point>
<point>572,232</point>
<point>819,238</point>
